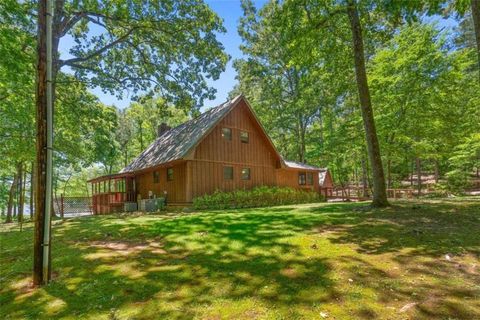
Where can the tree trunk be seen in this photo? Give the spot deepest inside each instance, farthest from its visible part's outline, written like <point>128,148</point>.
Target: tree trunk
<point>476,25</point>
<point>364,178</point>
<point>437,171</point>
<point>10,200</point>
<point>419,176</point>
<point>32,186</point>
<point>411,173</point>
<point>41,146</point>
<point>140,128</point>
<point>379,191</point>
<point>21,193</point>
<point>389,173</point>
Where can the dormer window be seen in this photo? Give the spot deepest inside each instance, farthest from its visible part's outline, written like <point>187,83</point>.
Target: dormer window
<point>227,134</point>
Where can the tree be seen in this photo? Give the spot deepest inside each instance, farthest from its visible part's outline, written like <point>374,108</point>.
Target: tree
<point>379,191</point>
<point>167,46</point>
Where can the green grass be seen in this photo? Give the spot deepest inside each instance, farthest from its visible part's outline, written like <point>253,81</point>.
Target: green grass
<point>320,261</point>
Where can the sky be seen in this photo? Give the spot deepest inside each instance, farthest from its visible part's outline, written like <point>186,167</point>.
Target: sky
<point>230,11</point>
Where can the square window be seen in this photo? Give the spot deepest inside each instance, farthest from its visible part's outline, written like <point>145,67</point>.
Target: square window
<point>228,173</point>
<point>227,134</point>
<point>156,177</point>
<point>244,136</point>
<point>246,174</point>
<point>309,178</point>
<point>169,174</point>
<point>302,178</point>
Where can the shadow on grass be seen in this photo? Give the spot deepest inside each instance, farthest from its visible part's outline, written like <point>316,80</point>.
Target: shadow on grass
<point>166,267</point>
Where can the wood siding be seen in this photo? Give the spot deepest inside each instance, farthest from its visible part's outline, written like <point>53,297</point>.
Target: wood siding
<point>214,153</point>
<point>175,188</point>
<point>289,178</point>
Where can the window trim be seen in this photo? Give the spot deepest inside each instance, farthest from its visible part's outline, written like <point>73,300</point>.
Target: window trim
<point>248,137</point>
<point>249,174</point>
<point>156,176</point>
<point>224,137</point>
<point>302,182</point>
<point>230,177</point>
<point>309,182</point>
<point>170,177</point>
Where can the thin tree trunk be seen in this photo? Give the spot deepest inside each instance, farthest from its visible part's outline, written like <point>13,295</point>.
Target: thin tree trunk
<point>476,25</point>
<point>21,193</point>
<point>389,173</point>
<point>411,173</point>
<point>364,178</point>
<point>32,186</point>
<point>437,171</point>
<point>379,190</point>
<point>10,200</point>
<point>419,176</point>
<point>141,135</point>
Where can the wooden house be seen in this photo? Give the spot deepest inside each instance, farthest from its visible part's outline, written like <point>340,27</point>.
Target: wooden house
<point>225,148</point>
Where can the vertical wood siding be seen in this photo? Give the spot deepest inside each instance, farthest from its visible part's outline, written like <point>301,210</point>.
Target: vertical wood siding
<point>175,188</point>
<point>289,178</point>
<point>215,152</point>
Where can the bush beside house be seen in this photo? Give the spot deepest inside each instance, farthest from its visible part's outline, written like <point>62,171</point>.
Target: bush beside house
<point>256,197</point>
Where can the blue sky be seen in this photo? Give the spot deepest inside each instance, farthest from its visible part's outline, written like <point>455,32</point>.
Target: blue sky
<point>230,11</point>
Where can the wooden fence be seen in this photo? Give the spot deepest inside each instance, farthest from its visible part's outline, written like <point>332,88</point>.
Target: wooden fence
<point>358,193</point>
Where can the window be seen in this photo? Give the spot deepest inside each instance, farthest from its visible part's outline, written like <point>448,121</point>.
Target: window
<point>227,134</point>
<point>302,178</point>
<point>228,173</point>
<point>246,174</point>
<point>309,178</point>
<point>244,136</point>
<point>169,174</point>
<point>156,177</point>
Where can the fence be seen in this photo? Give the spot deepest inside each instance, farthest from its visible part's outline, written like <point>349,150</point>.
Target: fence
<point>68,207</point>
<point>357,193</point>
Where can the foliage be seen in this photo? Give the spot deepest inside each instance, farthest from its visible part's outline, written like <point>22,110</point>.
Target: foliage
<point>167,47</point>
<point>422,81</point>
<point>257,197</point>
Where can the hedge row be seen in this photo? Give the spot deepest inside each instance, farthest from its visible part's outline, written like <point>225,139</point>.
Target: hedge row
<point>256,197</point>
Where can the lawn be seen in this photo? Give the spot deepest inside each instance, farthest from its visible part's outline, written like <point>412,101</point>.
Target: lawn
<point>415,260</point>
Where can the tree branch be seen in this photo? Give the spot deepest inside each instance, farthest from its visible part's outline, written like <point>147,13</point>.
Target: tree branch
<point>73,61</point>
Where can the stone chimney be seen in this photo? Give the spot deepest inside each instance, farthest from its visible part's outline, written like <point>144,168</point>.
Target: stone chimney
<point>162,128</point>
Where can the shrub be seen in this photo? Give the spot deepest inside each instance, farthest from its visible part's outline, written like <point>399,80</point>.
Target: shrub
<point>457,181</point>
<point>257,197</point>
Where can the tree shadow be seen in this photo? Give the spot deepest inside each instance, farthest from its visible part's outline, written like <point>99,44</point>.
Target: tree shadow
<point>167,267</point>
<point>105,263</point>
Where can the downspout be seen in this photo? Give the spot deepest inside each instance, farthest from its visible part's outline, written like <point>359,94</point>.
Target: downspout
<point>49,167</point>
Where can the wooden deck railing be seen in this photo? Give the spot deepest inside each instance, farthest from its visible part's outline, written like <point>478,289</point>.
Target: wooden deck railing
<point>357,193</point>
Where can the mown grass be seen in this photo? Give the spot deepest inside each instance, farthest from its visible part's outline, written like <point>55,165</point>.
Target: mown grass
<point>415,260</point>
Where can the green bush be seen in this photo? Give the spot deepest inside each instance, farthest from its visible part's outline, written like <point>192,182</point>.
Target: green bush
<point>457,181</point>
<point>256,197</point>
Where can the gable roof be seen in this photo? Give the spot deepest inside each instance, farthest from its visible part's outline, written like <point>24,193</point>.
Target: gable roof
<point>176,143</point>
<point>322,176</point>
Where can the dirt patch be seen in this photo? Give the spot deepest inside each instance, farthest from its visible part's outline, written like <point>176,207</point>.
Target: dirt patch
<point>289,273</point>
<point>128,247</point>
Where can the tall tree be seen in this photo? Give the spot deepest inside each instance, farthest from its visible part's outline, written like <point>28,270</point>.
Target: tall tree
<point>167,46</point>
<point>475,6</point>
<point>379,190</point>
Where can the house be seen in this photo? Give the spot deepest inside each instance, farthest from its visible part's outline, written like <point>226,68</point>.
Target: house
<point>225,148</point>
